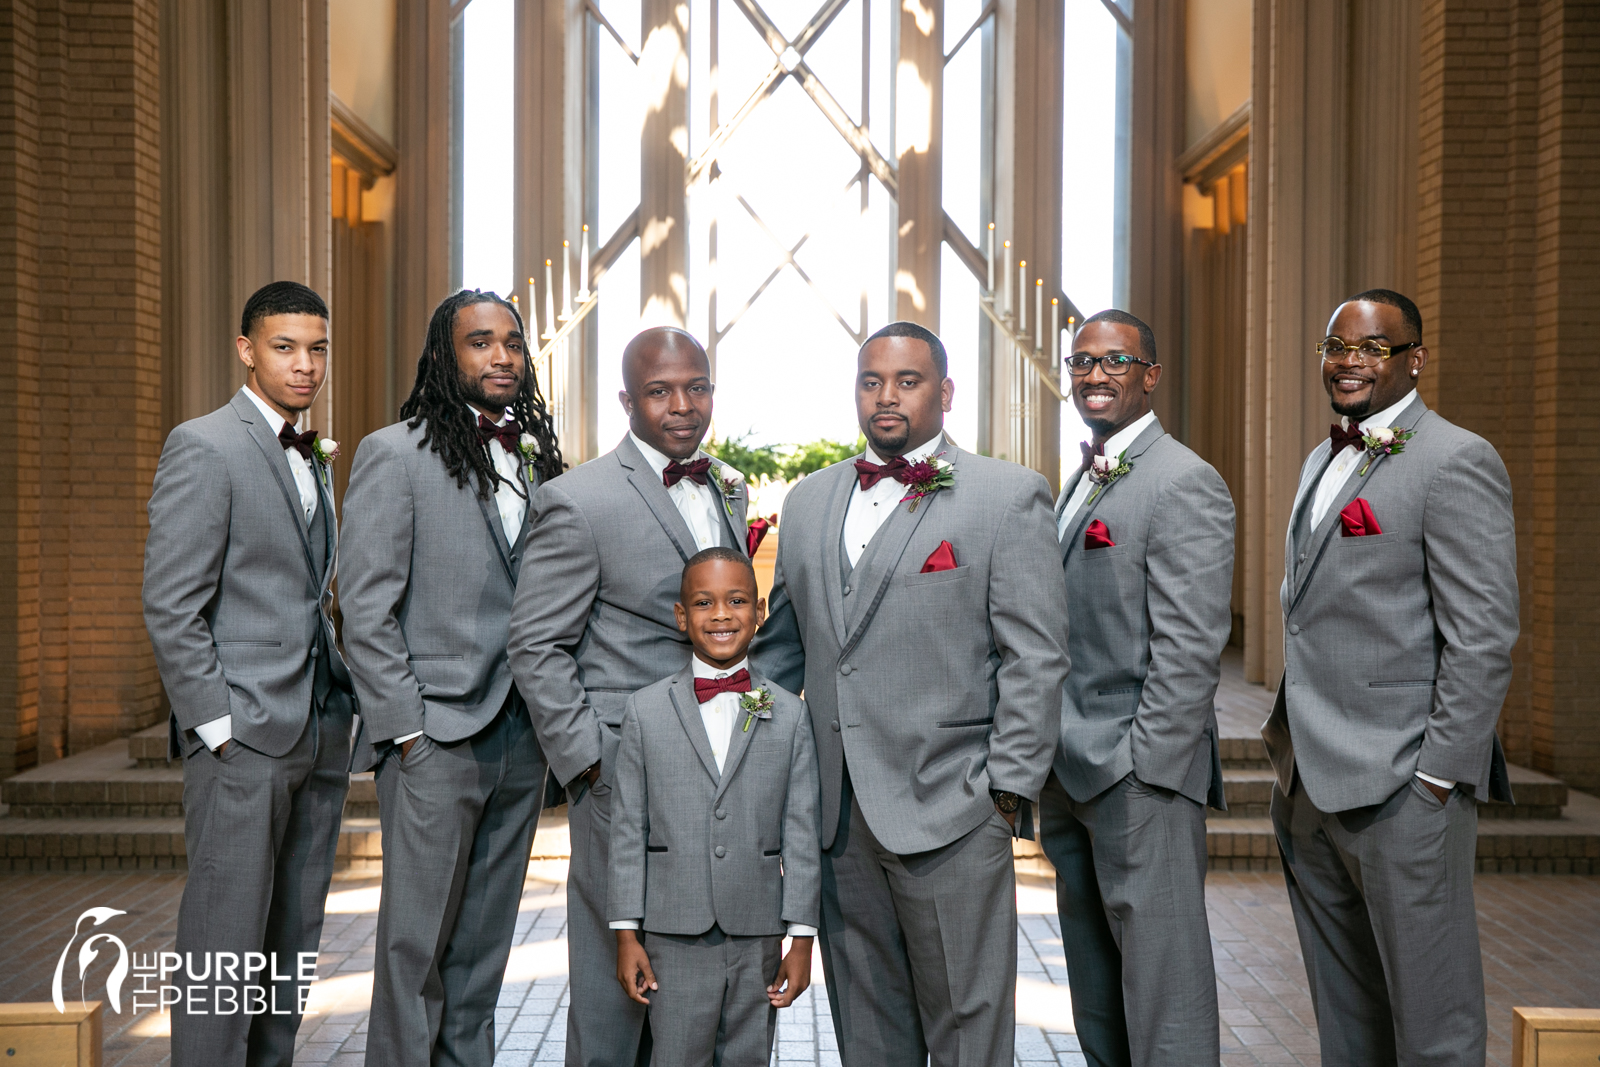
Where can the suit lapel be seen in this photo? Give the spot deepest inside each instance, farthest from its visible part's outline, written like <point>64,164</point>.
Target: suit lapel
<point>644,479</point>
<point>278,463</point>
<point>739,744</point>
<point>832,547</point>
<point>1140,446</point>
<point>723,507</point>
<point>330,555</point>
<point>688,708</point>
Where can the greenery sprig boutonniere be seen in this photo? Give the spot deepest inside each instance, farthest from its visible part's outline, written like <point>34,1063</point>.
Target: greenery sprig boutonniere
<point>1103,471</point>
<point>756,704</point>
<point>1383,441</point>
<point>730,482</point>
<point>528,445</point>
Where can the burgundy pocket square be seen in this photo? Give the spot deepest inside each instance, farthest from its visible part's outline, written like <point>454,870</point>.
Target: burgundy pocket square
<point>942,558</point>
<point>1097,536</point>
<point>1358,520</point>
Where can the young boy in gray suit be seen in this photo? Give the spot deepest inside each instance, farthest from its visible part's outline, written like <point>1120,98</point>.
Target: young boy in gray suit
<point>714,838</point>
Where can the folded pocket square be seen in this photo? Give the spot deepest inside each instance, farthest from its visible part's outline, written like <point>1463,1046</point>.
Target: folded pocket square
<point>1097,536</point>
<point>756,532</point>
<point>1358,520</point>
<point>942,558</point>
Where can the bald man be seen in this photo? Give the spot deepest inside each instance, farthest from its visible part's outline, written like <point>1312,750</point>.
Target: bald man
<point>609,541</point>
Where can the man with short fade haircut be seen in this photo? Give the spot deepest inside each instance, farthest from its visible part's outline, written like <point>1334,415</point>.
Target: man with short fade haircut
<point>919,603</point>
<point>609,541</point>
<point>1400,609</point>
<point>1146,529</point>
<point>238,569</point>
<point>435,521</point>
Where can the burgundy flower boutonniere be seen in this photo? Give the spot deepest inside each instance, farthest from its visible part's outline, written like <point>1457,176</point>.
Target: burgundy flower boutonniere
<point>926,477</point>
<point>730,482</point>
<point>1383,441</point>
<point>756,704</point>
<point>1102,472</point>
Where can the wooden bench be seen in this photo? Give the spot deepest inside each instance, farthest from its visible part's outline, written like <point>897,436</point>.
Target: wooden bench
<point>36,1035</point>
<point>1555,1037</point>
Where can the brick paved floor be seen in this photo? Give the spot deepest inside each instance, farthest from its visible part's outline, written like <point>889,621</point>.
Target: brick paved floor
<point>1541,936</point>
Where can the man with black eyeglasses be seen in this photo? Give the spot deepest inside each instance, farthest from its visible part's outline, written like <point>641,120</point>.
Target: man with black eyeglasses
<point>1400,609</point>
<point>1146,532</point>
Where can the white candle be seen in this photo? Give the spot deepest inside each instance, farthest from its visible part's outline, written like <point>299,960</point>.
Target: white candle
<point>549,304</point>
<point>1038,315</point>
<point>991,261</point>
<point>566,280</point>
<point>1055,332</point>
<point>533,311</point>
<point>1006,308</point>
<point>1022,297</point>
<point>583,268</point>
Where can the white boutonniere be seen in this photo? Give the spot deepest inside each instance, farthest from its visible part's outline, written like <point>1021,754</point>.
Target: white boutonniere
<point>528,445</point>
<point>1103,471</point>
<point>756,704</point>
<point>730,482</point>
<point>1383,441</point>
<point>326,450</point>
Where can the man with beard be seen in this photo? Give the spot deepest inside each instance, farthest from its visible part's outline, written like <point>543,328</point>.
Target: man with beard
<point>434,524</point>
<point>1146,531</point>
<point>1400,609</point>
<point>609,541</point>
<point>918,600</point>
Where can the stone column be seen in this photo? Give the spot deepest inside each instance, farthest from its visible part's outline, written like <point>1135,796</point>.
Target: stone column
<point>422,178</point>
<point>663,158</point>
<point>919,160</point>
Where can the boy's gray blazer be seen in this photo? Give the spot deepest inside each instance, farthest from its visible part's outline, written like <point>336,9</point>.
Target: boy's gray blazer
<point>1149,619</point>
<point>426,590</point>
<point>235,601</point>
<point>936,686</point>
<point>691,847</point>
<point>609,547</point>
<point>1397,647</point>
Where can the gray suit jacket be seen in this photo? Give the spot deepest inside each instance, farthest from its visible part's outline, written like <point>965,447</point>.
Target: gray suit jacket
<point>691,847</point>
<point>1148,620</point>
<point>609,547</point>
<point>936,686</point>
<point>426,590</point>
<point>236,597</point>
<point>1397,650</point>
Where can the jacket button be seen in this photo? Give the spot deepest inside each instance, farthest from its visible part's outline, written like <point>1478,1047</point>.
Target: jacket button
<point>721,852</point>
<point>1294,628</point>
<point>847,590</point>
<point>314,651</point>
<point>1302,557</point>
<point>721,814</point>
<point>835,725</point>
<point>844,668</point>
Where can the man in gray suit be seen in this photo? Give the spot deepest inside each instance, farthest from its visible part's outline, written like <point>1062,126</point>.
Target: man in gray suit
<point>1147,545</point>
<point>714,836</point>
<point>1400,610</point>
<point>237,572</point>
<point>435,518</point>
<point>918,599</point>
<point>609,541</point>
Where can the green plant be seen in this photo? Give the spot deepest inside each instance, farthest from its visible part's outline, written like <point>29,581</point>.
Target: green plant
<point>815,455</point>
<point>752,461</point>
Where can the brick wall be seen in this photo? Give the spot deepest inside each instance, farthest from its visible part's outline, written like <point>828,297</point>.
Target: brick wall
<point>80,222</point>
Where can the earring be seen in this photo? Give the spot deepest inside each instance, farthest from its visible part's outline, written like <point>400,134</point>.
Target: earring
<point>1413,374</point>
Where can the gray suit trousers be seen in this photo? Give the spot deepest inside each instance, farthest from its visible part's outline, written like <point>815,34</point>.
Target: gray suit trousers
<point>1130,889</point>
<point>609,1031</point>
<point>458,822</point>
<point>920,950</point>
<point>261,834</point>
<point>712,1007</point>
<point>1382,900</point>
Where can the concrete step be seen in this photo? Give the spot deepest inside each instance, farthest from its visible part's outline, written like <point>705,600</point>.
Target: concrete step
<point>1539,796</point>
<point>148,748</point>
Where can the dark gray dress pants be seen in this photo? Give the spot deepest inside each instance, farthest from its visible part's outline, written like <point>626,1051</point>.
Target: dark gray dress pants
<point>1130,890</point>
<point>920,950</point>
<point>458,822</point>
<point>712,1007</point>
<point>1382,900</point>
<point>261,833</point>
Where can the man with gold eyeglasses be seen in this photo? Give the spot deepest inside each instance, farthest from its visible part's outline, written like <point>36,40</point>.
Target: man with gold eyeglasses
<point>1400,609</point>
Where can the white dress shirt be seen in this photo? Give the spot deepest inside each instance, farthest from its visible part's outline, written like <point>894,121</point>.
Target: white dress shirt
<point>1333,483</point>
<point>1115,445</point>
<point>695,502</point>
<point>218,730</point>
<point>720,716</point>
<point>509,496</point>
<point>869,509</point>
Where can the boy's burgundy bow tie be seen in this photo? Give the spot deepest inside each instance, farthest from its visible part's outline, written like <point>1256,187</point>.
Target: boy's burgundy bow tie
<point>1340,438</point>
<point>300,442</point>
<point>737,682</point>
<point>508,435</point>
<point>870,474</point>
<point>677,472</point>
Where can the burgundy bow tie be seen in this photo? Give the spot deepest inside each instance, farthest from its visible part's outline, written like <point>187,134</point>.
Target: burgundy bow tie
<point>677,472</point>
<point>737,682</point>
<point>1089,452</point>
<point>300,442</point>
<point>870,474</point>
<point>1340,438</point>
<point>508,435</point>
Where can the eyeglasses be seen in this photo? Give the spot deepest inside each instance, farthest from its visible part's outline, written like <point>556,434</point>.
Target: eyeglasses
<point>1368,353</point>
<point>1116,364</point>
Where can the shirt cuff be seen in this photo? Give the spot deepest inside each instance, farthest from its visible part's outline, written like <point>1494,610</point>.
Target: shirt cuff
<point>408,737</point>
<point>802,930</point>
<point>1442,783</point>
<point>215,732</point>
<point>624,924</point>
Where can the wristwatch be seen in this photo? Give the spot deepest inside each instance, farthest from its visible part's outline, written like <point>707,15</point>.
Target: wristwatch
<point>1006,803</point>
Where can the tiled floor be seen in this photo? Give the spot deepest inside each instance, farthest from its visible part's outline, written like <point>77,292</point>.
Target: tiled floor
<point>1541,936</point>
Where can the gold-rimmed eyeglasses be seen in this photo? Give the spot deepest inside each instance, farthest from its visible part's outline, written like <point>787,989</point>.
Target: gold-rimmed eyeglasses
<point>1368,353</point>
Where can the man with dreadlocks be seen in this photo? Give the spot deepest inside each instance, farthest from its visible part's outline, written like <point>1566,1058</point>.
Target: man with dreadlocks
<point>609,542</point>
<point>435,519</point>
